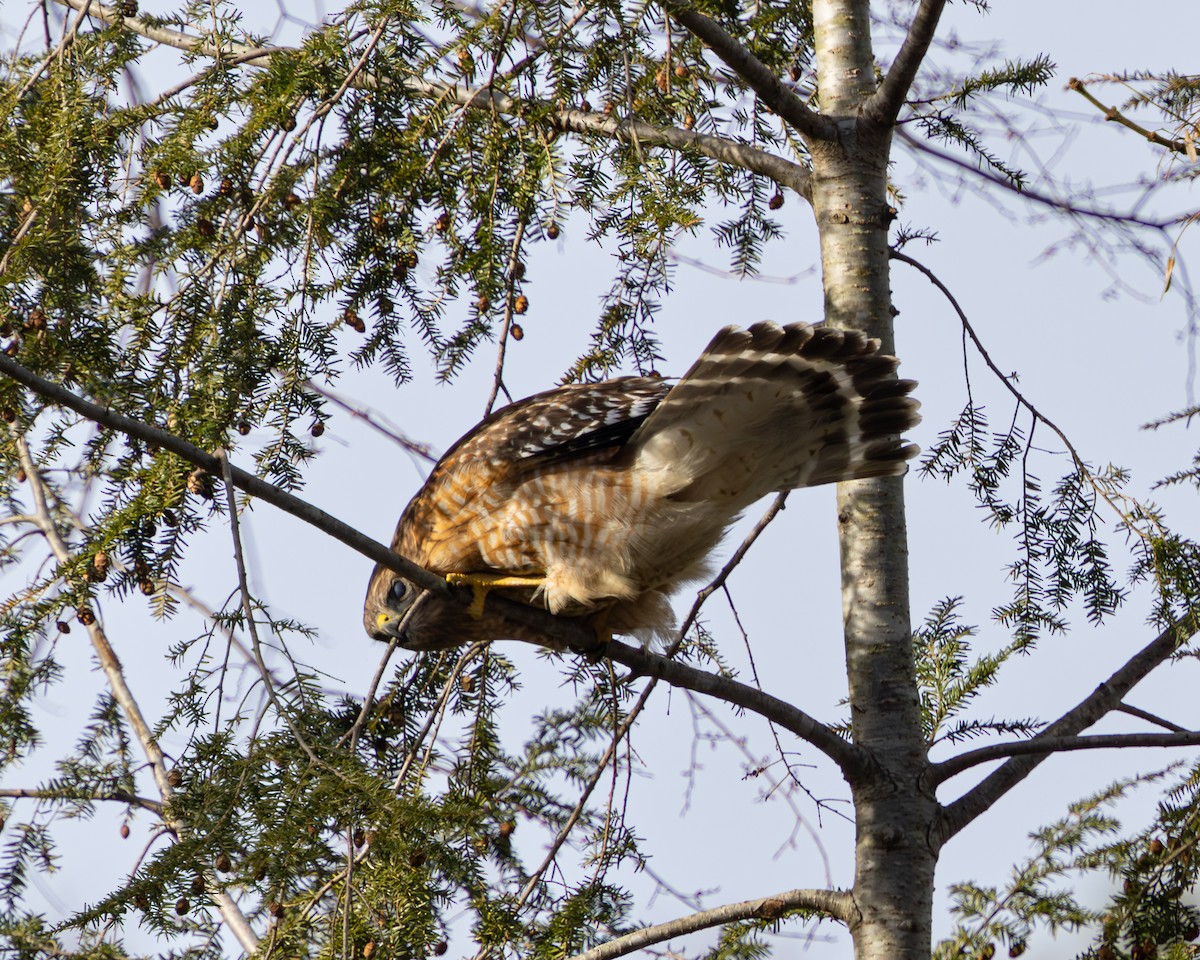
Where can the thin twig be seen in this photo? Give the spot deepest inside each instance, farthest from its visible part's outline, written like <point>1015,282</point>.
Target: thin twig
<point>239,561</point>
<point>1007,382</point>
<point>1055,203</point>
<point>1150,717</point>
<point>371,419</point>
<point>514,258</point>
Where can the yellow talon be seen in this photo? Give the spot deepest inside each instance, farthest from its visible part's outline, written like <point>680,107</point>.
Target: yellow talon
<point>483,583</point>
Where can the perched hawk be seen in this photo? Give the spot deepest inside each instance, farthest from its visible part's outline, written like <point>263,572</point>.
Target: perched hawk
<point>604,498</point>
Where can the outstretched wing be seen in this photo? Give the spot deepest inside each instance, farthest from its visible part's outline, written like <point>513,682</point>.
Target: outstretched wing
<point>773,408</point>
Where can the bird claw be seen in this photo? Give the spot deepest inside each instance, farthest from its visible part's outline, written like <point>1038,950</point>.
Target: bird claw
<point>482,584</point>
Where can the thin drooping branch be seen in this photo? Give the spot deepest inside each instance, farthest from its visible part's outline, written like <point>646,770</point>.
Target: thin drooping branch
<point>373,419</point>
<point>1104,699</point>
<point>247,604</point>
<point>1009,384</point>
<point>884,106</point>
<point>717,582</point>
<point>567,120</point>
<point>832,903</point>
<point>940,772</point>
<point>575,634</point>
<point>1025,193</point>
<point>761,79</point>
<point>115,675</point>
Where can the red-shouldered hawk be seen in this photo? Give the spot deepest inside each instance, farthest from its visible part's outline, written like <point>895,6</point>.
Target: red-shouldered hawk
<point>603,498</point>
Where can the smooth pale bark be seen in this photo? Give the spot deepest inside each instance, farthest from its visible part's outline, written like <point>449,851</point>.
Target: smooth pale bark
<point>894,809</point>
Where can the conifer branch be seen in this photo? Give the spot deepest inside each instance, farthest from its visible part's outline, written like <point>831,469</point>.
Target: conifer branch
<point>883,108</point>
<point>760,78</point>
<point>940,772</point>
<point>1105,699</point>
<point>779,170</point>
<point>114,672</point>
<point>575,634</point>
<point>837,904</point>
<point>1008,383</point>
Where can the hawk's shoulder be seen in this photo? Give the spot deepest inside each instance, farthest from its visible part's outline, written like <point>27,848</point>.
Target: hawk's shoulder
<point>562,423</point>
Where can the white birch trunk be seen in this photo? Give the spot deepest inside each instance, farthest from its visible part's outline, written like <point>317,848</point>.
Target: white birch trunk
<point>894,862</point>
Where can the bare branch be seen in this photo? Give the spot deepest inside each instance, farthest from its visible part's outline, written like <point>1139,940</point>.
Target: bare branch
<point>833,903</point>
<point>1115,115</point>
<point>118,796</point>
<point>1150,717</point>
<point>746,65</point>
<point>1104,699</point>
<point>1044,747</point>
<point>846,755</point>
<point>775,168</point>
<point>1055,203</point>
<point>884,106</point>
<point>575,634</point>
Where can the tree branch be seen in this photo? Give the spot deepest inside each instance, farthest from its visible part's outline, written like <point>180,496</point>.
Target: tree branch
<point>746,65</point>
<point>846,755</point>
<point>1150,718</point>
<point>119,796</point>
<point>775,168</point>
<point>115,674</point>
<point>1025,193</point>
<point>1104,699</point>
<point>253,485</point>
<point>884,106</point>
<point>833,903</point>
<point>1115,115</point>
<point>940,772</point>
<point>575,634</point>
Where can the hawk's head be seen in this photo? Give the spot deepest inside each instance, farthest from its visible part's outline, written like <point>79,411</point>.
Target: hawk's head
<point>396,609</point>
<point>389,598</point>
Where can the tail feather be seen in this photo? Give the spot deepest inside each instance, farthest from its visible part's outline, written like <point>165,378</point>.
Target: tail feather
<point>771,408</point>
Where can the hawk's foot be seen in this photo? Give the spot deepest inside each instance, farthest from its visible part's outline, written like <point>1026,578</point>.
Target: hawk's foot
<point>483,583</point>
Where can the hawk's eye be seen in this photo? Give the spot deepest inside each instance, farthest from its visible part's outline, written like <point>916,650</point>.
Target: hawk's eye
<point>397,592</point>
